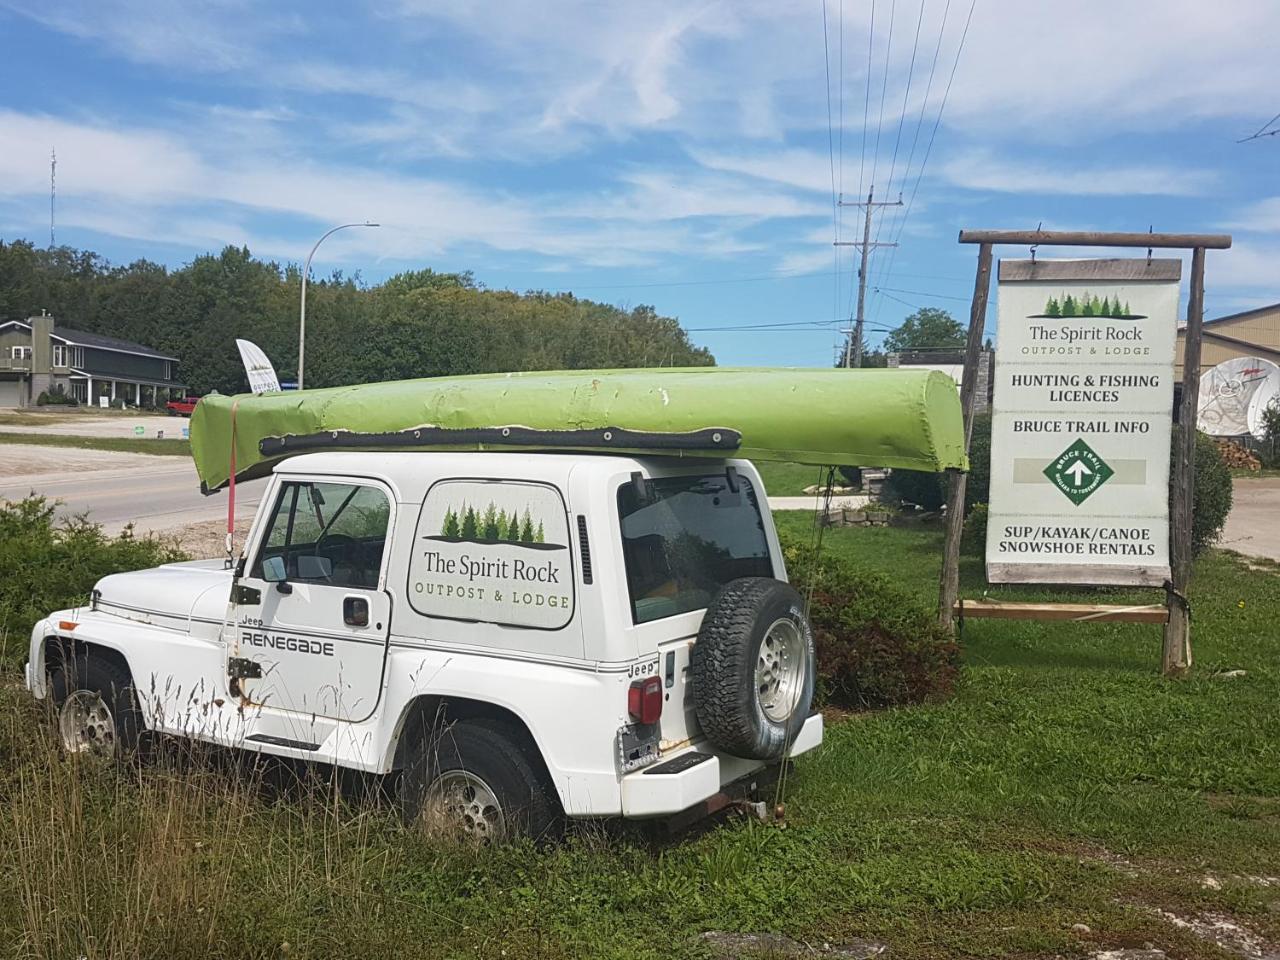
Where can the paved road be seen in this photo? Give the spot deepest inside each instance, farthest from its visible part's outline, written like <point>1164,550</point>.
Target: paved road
<point>154,493</point>
<point>1254,524</point>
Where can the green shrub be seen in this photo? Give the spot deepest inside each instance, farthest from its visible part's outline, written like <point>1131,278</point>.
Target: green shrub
<point>877,644</point>
<point>47,564</point>
<point>973,538</point>
<point>1212,500</point>
<point>55,397</point>
<point>929,490</point>
<point>1269,451</point>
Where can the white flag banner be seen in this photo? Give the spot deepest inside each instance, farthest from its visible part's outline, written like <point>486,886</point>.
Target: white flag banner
<point>262,375</point>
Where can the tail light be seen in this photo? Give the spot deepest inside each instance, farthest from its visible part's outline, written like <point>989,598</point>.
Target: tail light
<point>644,700</point>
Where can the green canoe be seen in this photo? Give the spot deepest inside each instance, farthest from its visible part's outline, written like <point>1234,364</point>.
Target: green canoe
<point>872,418</point>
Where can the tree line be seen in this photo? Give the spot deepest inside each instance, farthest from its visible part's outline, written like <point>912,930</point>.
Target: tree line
<point>415,324</point>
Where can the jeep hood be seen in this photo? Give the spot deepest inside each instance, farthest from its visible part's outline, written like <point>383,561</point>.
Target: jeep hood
<point>188,596</point>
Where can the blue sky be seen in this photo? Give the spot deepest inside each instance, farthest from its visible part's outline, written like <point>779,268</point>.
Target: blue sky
<point>677,154</point>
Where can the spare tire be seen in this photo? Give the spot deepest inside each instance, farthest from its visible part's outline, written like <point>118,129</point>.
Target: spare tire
<point>753,668</point>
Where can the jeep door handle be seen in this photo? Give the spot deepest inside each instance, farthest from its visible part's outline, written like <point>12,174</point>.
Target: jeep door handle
<point>355,611</point>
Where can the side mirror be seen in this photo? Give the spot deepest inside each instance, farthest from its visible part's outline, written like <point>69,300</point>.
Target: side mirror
<point>273,570</point>
<point>314,568</point>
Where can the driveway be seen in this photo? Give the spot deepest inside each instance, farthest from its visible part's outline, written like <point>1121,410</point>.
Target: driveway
<point>76,423</point>
<point>1253,527</point>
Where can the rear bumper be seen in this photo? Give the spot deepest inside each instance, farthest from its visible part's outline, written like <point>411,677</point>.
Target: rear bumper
<point>695,776</point>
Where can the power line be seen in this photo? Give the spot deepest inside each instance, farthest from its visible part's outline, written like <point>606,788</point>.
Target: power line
<point>1263,131</point>
<point>946,93</point>
<point>899,223</point>
<point>866,101</point>
<point>835,204</point>
<point>884,88</point>
<point>921,293</point>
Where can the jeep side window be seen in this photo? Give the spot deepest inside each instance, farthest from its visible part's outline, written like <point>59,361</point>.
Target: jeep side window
<point>685,538</point>
<point>343,523</point>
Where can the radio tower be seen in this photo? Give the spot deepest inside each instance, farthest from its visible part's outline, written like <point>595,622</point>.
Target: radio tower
<point>53,190</point>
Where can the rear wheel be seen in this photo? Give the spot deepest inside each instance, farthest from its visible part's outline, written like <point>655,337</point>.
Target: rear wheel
<point>476,781</point>
<point>98,714</point>
<point>753,668</point>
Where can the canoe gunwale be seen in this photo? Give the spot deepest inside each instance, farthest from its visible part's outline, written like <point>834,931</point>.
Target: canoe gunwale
<point>712,441</point>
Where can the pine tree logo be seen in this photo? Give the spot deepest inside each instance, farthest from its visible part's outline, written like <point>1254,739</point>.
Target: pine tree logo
<point>1089,305</point>
<point>493,525</point>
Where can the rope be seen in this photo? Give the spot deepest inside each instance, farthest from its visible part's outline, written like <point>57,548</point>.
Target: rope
<point>231,489</point>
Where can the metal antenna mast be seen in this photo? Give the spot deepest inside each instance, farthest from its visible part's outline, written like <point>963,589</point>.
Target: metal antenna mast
<point>853,346</point>
<point>53,190</point>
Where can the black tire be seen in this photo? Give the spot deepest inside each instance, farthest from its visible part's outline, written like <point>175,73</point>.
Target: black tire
<point>83,672</point>
<point>731,709</point>
<point>501,758</point>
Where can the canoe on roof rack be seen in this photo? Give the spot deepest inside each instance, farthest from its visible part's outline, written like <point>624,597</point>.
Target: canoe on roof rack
<point>869,418</point>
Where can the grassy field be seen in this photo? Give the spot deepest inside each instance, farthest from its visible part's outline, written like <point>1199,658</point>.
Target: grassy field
<point>170,446</point>
<point>790,479</point>
<point>1065,784</point>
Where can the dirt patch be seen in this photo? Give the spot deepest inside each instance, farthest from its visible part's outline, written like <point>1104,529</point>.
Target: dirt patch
<point>755,946</point>
<point>207,540</point>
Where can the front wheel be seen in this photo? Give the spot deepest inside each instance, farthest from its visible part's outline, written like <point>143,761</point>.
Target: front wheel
<point>98,715</point>
<point>476,781</point>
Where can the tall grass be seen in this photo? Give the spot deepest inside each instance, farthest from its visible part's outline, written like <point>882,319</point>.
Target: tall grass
<point>190,854</point>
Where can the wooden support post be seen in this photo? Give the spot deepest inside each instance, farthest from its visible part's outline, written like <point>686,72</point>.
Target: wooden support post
<point>949,585</point>
<point>1177,632</point>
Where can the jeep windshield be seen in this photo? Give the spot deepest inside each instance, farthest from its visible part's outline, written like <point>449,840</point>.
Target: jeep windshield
<point>686,537</point>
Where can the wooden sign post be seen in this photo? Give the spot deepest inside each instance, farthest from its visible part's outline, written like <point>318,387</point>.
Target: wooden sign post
<point>1175,613</point>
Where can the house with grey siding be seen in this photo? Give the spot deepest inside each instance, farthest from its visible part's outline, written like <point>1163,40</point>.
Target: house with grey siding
<point>37,355</point>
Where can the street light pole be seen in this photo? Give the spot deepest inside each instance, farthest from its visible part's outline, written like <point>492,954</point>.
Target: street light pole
<point>302,311</point>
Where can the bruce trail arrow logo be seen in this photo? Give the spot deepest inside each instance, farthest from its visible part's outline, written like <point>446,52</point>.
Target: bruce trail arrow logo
<point>1078,472</point>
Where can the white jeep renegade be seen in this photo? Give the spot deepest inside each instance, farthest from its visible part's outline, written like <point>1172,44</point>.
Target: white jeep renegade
<point>520,636</point>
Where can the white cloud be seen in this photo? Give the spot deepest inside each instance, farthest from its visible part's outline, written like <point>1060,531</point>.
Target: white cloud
<point>987,171</point>
<point>1263,216</point>
<point>149,184</point>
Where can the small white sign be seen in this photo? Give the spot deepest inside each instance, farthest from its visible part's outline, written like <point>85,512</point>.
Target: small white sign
<point>1081,424</point>
<point>495,552</point>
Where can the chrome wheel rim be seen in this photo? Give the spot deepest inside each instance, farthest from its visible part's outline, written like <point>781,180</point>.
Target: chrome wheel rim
<point>460,803</point>
<point>780,669</point>
<point>86,724</point>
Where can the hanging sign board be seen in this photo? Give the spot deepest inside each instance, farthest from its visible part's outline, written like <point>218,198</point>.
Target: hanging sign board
<point>1082,414</point>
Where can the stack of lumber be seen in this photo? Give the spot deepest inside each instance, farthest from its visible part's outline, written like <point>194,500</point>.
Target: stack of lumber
<point>1237,457</point>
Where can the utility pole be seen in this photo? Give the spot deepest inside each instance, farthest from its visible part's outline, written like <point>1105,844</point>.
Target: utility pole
<point>853,346</point>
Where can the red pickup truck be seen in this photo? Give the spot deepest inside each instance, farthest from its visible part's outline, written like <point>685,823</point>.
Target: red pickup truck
<point>182,407</point>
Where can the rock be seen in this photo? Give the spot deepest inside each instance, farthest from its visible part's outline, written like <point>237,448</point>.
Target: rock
<point>1081,928</point>
<point>1211,883</point>
<point>1129,953</point>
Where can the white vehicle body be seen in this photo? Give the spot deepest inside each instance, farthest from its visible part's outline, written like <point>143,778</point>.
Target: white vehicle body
<point>330,671</point>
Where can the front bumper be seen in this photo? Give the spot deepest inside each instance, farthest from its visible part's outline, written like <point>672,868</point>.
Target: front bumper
<point>695,776</point>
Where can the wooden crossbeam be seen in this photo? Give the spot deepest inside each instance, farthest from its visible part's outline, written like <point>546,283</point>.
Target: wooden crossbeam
<point>1080,612</point>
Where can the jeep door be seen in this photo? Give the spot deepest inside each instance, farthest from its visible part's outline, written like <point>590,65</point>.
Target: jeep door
<point>312,615</point>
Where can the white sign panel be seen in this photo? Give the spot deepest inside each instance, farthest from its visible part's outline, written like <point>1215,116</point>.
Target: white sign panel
<point>1081,422</point>
<point>262,375</point>
<point>495,552</point>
